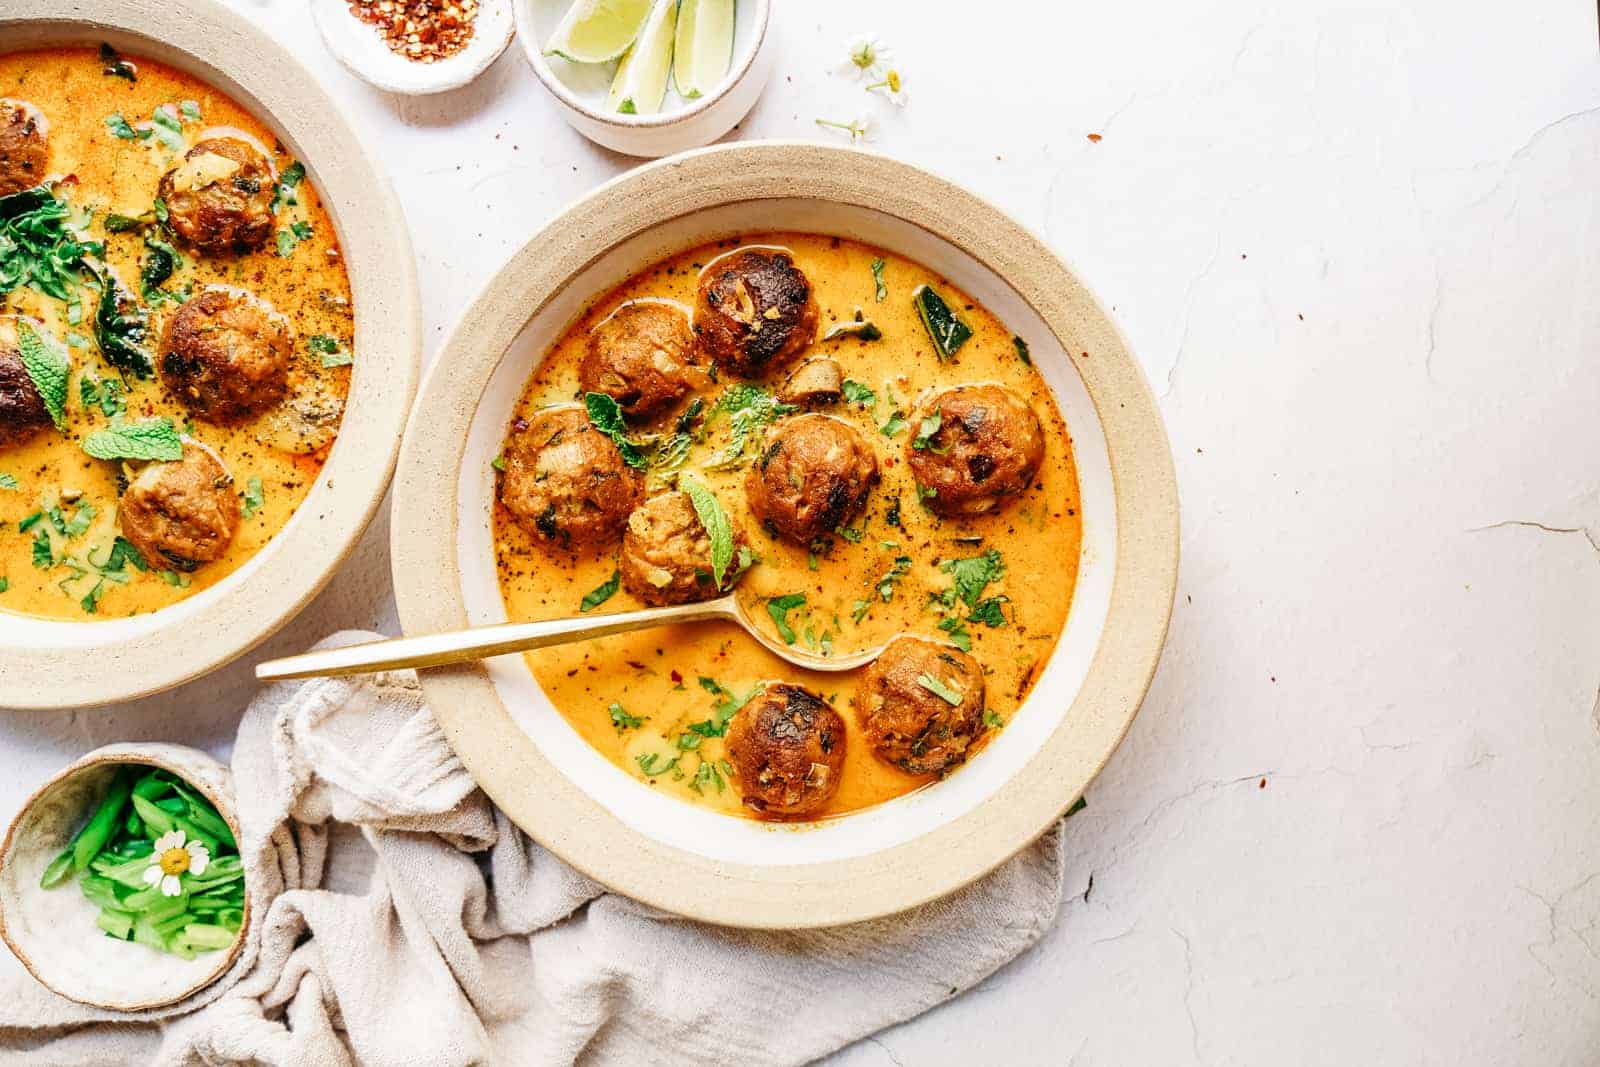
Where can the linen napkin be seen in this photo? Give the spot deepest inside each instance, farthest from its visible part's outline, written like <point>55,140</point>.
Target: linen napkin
<point>405,920</point>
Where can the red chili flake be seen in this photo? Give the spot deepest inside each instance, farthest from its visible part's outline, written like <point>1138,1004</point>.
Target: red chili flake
<point>420,30</point>
<point>1094,137</point>
<point>677,679</point>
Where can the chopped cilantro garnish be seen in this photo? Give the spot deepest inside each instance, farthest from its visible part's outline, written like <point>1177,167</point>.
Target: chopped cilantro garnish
<point>622,720</point>
<point>600,594</point>
<point>779,607</point>
<point>941,689</point>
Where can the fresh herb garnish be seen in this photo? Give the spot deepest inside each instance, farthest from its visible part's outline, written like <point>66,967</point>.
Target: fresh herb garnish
<point>1022,350</point>
<point>779,607</point>
<point>119,127</point>
<point>853,536</point>
<point>947,332</point>
<point>329,350</point>
<point>926,430</point>
<point>160,261</point>
<point>898,570</point>
<point>121,324</point>
<point>622,720</point>
<point>856,393</point>
<point>601,593</point>
<point>151,439</point>
<point>605,415</point>
<point>861,328</point>
<point>992,720</point>
<point>43,553</point>
<point>254,496</point>
<point>988,612</point>
<point>970,575</point>
<point>957,629</point>
<point>288,178</point>
<point>290,237</point>
<point>653,764</point>
<point>750,409</point>
<point>106,394</point>
<point>112,65</point>
<point>167,127</point>
<point>47,366</point>
<point>190,110</point>
<point>7,481</point>
<point>717,527</point>
<point>944,691</point>
<point>726,707</point>
<point>39,246</point>
<point>877,279</point>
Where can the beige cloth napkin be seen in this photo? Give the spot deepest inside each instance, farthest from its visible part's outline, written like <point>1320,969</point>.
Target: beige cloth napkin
<point>455,939</point>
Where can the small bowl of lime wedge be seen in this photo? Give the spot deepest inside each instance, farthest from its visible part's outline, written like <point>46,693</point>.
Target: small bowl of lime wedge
<point>649,77</point>
<point>121,881</point>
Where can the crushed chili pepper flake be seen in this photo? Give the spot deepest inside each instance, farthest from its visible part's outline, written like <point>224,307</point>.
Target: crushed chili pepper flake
<point>422,30</point>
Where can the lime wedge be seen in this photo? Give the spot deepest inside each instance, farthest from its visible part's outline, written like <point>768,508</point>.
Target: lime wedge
<point>705,46</point>
<point>598,31</point>
<point>641,81</point>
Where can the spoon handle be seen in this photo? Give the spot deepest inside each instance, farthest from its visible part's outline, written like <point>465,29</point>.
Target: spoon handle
<point>437,650</point>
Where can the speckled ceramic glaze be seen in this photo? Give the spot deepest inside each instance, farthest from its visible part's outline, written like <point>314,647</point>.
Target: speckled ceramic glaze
<point>897,854</point>
<point>46,664</point>
<point>53,931</point>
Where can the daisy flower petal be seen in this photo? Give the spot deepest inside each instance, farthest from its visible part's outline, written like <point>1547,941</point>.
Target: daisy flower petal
<point>152,874</point>
<point>170,886</point>
<point>170,839</point>
<point>199,857</point>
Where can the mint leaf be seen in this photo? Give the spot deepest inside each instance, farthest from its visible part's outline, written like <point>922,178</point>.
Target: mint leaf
<point>47,365</point>
<point>945,692</point>
<point>779,607</point>
<point>715,521</point>
<point>600,594</point>
<point>606,416</point>
<point>155,439</point>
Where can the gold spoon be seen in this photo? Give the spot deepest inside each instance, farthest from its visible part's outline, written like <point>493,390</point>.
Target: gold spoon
<point>438,650</point>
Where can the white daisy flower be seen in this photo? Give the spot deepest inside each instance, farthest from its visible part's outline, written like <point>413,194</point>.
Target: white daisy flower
<point>892,86</point>
<point>855,129</point>
<point>174,855</point>
<point>866,57</point>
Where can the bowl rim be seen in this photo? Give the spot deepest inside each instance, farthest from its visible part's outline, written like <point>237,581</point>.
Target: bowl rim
<point>164,757</point>
<point>536,795</point>
<point>105,661</point>
<point>522,10</point>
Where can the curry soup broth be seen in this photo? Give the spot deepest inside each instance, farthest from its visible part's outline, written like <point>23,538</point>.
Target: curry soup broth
<point>656,675</point>
<point>303,278</point>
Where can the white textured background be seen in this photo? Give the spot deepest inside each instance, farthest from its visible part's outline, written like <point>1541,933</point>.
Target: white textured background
<point>1355,247</point>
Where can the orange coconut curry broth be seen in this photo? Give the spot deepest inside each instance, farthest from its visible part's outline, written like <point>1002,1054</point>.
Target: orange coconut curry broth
<point>656,703</point>
<point>124,136</point>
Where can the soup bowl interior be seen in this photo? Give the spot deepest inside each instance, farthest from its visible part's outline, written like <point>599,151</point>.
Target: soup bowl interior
<point>904,851</point>
<point>55,664</point>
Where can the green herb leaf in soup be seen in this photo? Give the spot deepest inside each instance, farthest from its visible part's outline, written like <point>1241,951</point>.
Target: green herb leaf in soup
<point>121,324</point>
<point>39,247</point>
<point>941,689</point>
<point>947,332</point>
<point>717,526</point>
<point>605,415</point>
<point>254,496</point>
<point>779,607</point>
<point>601,593</point>
<point>147,439</point>
<point>48,367</point>
<point>882,288</point>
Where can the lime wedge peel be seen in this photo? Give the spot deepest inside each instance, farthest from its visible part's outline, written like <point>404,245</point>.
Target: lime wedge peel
<point>704,50</point>
<point>641,82</point>
<point>598,31</point>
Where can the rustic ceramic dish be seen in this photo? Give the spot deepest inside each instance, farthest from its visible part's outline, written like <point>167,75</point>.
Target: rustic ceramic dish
<point>53,931</point>
<point>579,89</point>
<point>898,854</point>
<point>47,664</point>
<point>359,47</point>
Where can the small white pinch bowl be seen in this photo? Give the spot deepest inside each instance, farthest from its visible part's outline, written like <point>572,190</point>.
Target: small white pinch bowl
<point>53,931</point>
<point>579,89</point>
<point>361,49</point>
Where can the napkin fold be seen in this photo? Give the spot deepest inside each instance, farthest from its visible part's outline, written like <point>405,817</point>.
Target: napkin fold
<point>405,920</point>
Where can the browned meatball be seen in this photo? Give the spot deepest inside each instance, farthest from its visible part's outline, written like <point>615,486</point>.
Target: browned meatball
<point>566,482</point>
<point>226,355</point>
<point>640,356</point>
<point>181,514</point>
<point>219,196</point>
<point>755,311</point>
<point>902,706</point>
<point>787,749</point>
<point>22,410</point>
<point>666,553</point>
<point>24,146</point>
<point>988,446</point>
<point>814,475</point>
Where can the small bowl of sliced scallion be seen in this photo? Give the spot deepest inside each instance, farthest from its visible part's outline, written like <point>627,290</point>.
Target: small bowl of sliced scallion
<point>121,881</point>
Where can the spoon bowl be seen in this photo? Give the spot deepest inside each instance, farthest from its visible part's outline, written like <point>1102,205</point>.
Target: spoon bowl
<point>439,650</point>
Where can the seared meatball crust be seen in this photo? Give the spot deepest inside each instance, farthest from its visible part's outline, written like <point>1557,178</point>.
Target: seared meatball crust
<point>24,146</point>
<point>909,725</point>
<point>754,311</point>
<point>666,552</point>
<point>641,356</point>
<point>181,514</point>
<point>226,355</point>
<point>814,475</point>
<point>566,482</point>
<point>987,449</point>
<point>22,410</point>
<point>219,196</point>
<point>787,749</point>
